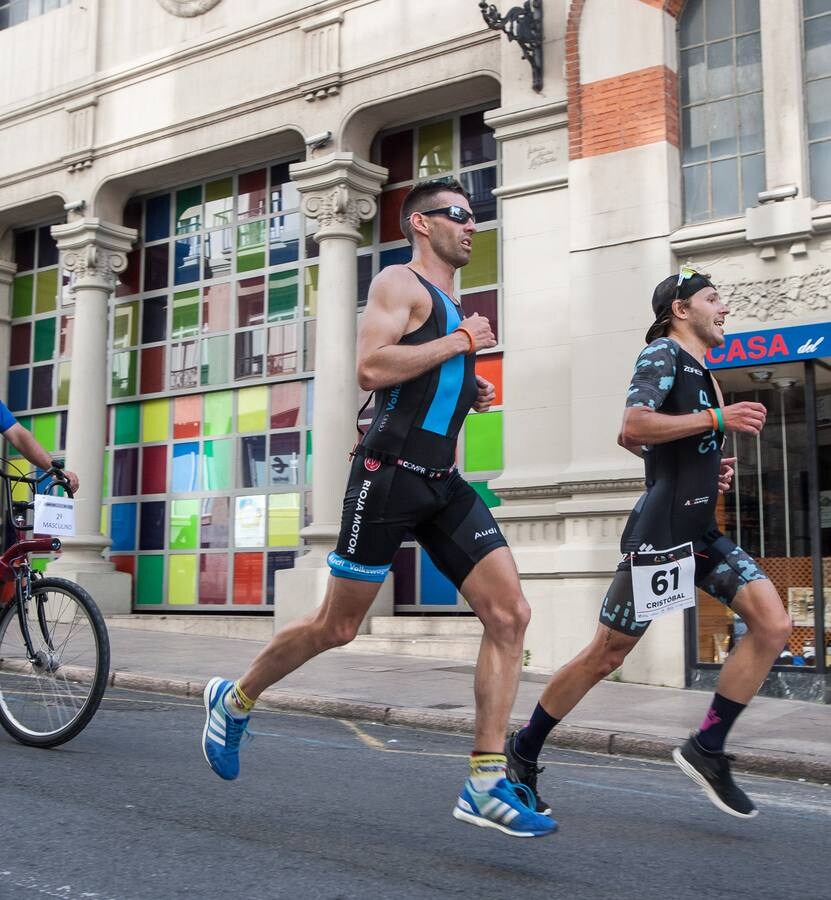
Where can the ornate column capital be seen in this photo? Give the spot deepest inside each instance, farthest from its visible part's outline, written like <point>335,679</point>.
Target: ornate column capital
<point>94,251</point>
<point>339,191</point>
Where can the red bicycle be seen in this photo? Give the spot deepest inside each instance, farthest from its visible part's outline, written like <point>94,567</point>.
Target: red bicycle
<point>54,648</point>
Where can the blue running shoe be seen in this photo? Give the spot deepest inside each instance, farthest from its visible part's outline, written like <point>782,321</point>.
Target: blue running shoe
<point>508,806</point>
<point>222,733</point>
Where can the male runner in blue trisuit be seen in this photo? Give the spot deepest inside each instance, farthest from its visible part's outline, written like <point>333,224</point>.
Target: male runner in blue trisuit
<point>416,350</point>
<point>675,419</point>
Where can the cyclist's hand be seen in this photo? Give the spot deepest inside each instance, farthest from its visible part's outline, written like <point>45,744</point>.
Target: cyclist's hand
<point>746,417</point>
<point>72,478</point>
<point>480,328</point>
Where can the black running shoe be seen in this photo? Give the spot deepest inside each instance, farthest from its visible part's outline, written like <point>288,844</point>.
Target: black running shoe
<point>525,773</point>
<point>712,772</point>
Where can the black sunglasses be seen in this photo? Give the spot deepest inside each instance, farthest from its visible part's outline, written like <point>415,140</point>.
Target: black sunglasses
<point>456,213</point>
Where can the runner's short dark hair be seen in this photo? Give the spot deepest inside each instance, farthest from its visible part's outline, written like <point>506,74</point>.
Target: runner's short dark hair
<point>423,196</point>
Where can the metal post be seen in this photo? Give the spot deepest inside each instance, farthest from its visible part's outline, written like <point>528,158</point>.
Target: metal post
<point>814,523</point>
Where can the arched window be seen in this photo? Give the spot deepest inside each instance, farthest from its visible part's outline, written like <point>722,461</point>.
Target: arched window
<point>722,135</point>
<point>817,35</point>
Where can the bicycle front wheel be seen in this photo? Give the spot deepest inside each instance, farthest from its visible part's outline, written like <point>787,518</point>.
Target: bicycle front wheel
<point>48,699</point>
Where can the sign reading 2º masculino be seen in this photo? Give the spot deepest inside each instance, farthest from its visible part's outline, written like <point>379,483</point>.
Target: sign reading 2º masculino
<point>776,345</point>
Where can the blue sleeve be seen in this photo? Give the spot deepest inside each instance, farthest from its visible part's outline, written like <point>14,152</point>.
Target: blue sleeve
<point>6,418</point>
<point>654,374</point>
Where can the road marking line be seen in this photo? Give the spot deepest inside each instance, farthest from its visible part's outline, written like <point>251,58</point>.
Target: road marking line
<point>367,739</point>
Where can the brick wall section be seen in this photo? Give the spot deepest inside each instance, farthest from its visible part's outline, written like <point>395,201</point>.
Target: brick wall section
<point>629,111</point>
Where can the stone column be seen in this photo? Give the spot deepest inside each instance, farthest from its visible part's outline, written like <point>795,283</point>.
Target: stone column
<point>7,270</point>
<point>339,191</point>
<point>94,252</point>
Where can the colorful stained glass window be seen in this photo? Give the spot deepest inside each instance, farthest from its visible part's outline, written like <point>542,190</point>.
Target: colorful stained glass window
<point>216,307</point>
<point>22,296</point>
<point>47,291</point>
<point>285,404</point>
<point>21,350</point>
<point>283,520</point>
<point>215,360</point>
<point>219,202</point>
<point>213,578</point>
<point>248,578</point>
<point>482,268</point>
<point>483,442</point>
<point>215,522</point>
<point>150,580</point>
<point>154,469</point>
<point>249,521</point>
<point>252,404</point>
<point>181,579</point>
<point>217,415</point>
<point>123,527</point>
<point>397,155</point>
<point>155,425</point>
<point>151,525</point>
<point>435,149</point>
<point>185,314</point>
<point>153,320</point>
<point>282,295</point>
<point>217,458</point>
<point>184,524</point>
<point>187,415</point>
<point>185,476</point>
<point>152,370</point>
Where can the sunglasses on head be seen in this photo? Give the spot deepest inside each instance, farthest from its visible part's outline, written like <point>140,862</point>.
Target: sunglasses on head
<point>456,213</point>
<point>687,271</point>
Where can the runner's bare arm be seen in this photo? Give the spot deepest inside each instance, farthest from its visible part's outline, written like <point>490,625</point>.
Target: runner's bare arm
<point>642,425</point>
<point>393,299</point>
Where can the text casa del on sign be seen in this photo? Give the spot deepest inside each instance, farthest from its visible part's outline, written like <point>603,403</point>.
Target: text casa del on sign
<point>775,345</point>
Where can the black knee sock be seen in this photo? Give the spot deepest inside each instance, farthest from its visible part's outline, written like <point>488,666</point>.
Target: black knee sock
<point>719,720</point>
<point>530,739</point>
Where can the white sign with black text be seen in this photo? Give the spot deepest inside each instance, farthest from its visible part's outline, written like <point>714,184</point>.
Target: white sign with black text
<point>54,516</point>
<point>663,581</point>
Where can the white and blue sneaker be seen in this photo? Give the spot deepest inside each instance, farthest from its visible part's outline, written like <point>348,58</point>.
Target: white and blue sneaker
<point>222,733</point>
<point>507,806</point>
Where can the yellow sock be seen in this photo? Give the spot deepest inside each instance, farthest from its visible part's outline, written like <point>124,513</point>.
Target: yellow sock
<point>486,769</point>
<point>238,703</point>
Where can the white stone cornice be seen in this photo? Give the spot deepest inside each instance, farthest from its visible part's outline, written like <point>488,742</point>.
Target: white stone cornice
<point>94,251</point>
<point>339,191</point>
<point>7,271</point>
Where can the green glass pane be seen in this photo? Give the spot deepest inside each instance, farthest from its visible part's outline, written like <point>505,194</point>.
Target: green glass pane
<point>482,268</point>
<point>124,374</point>
<point>216,461</point>
<point>310,291</point>
<point>308,457</point>
<point>46,430</point>
<point>219,202</point>
<point>366,233</point>
<point>184,524</point>
<point>45,339</point>
<point>250,246</point>
<point>189,209</point>
<point>47,290</point>
<point>283,520</point>
<point>482,489</point>
<point>64,374</point>
<point>435,149</point>
<point>252,407</point>
<point>282,295</point>
<point>185,314</point>
<point>215,360</point>
<point>125,325</point>
<point>22,296</point>
<point>483,442</point>
<point>217,413</point>
<point>39,564</point>
<point>105,484</point>
<point>181,580</point>
<point>127,417</point>
<point>149,579</point>
<point>155,424</point>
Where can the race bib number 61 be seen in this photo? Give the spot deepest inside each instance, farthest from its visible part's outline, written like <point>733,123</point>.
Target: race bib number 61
<point>663,581</point>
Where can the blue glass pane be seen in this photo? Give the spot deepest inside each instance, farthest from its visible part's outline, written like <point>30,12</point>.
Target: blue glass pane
<point>157,222</point>
<point>18,389</point>
<point>123,529</point>
<point>151,527</point>
<point>399,256</point>
<point>436,590</point>
<point>283,239</point>
<point>187,260</point>
<point>185,467</point>
<point>281,559</point>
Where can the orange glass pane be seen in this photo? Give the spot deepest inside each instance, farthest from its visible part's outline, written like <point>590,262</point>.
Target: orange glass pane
<point>490,368</point>
<point>187,416</point>
<point>124,564</point>
<point>248,578</point>
<point>390,214</point>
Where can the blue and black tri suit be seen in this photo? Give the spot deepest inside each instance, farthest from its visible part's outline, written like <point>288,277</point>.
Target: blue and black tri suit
<point>681,488</point>
<point>403,478</point>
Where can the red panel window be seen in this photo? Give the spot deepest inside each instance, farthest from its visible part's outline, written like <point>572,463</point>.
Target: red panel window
<point>248,578</point>
<point>153,470</point>
<point>187,415</point>
<point>152,370</point>
<point>21,344</point>
<point>391,214</point>
<point>124,564</point>
<point>252,194</point>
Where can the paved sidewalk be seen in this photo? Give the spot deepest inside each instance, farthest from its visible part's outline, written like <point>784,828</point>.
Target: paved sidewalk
<point>787,738</point>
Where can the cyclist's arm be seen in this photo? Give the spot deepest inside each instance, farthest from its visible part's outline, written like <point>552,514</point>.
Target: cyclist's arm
<point>27,445</point>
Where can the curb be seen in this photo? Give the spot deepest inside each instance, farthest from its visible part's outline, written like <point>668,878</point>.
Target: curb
<point>566,737</point>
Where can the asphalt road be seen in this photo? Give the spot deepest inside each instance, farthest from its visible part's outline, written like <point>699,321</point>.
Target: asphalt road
<point>329,809</point>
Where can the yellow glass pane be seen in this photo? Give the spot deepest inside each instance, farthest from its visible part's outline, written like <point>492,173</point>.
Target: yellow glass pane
<point>310,290</point>
<point>155,421</point>
<point>252,408</point>
<point>482,269</point>
<point>181,580</point>
<point>435,149</point>
<point>104,528</point>
<point>46,290</point>
<point>64,371</point>
<point>283,520</point>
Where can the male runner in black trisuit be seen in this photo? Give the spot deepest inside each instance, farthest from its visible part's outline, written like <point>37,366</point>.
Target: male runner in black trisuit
<point>674,418</point>
<point>416,350</point>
